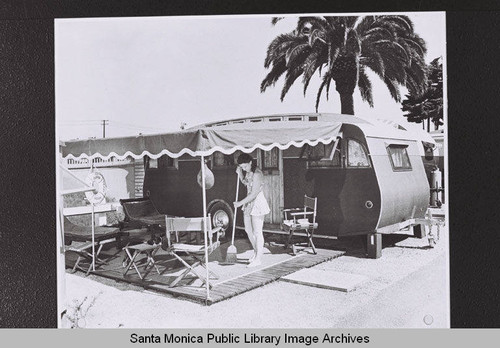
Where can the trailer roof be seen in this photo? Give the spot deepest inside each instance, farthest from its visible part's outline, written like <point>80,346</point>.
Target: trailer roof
<point>379,128</point>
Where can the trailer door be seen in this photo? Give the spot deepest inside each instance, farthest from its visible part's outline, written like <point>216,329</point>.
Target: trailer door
<point>271,163</point>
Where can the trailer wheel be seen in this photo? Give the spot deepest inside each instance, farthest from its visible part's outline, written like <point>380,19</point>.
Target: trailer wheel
<point>222,216</point>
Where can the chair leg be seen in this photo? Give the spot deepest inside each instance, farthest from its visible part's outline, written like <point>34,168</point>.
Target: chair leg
<point>289,239</point>
<point>148,269</point>
<point>95,259</point>
<point>202,264</point>
<point>76,264</point>
<point>183,274</point>
<point>89,269</point>
<point>132,263</point>
<point>151,261</point>
<point>311,244</point>
<point>214,275</point>
<point>180,277</point>
<point>189,268</point>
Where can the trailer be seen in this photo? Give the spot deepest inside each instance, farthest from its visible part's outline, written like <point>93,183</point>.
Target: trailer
<point>369,178</point>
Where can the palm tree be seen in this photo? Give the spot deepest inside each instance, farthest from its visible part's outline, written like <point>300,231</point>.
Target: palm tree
<point>342,49</point>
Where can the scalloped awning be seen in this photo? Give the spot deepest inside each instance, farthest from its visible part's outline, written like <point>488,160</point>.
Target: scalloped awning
<point>245,137</point>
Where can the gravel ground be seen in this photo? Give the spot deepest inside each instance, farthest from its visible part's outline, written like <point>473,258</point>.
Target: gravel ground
<point>407,284</point>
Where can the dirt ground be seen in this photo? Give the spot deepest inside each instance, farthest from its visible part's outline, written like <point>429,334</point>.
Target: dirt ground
<point>406,288</point>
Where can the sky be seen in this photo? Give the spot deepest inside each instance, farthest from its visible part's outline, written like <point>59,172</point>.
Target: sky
<point>150,74</point>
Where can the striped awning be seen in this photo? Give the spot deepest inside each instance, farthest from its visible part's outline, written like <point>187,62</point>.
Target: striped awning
<point>245,137</point>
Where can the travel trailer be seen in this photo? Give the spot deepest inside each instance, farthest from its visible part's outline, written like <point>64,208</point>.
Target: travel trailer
<point>369,178</point>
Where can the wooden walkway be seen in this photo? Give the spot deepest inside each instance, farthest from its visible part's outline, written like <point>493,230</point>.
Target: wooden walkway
<point>230,288</point>
<point>224,289</point>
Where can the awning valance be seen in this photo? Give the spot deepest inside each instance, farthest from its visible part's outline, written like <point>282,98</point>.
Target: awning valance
<point>245,137</point>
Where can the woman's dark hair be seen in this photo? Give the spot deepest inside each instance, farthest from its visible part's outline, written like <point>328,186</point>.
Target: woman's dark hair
<point>245,158</point>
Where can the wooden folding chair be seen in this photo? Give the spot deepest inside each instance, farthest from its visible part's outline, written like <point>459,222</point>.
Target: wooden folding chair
<point>82,235</point>
<point>301,219</point>
<point>143,248</point>
<point>193,251</point>
<point>84,252</point>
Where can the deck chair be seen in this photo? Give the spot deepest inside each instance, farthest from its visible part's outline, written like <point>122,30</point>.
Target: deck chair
<point>140,213</point>
<point>301,219</point>
<point>102,236</point>
<point>183,251</point>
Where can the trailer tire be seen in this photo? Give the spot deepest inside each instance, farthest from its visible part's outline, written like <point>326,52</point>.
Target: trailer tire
<point>222,215</point>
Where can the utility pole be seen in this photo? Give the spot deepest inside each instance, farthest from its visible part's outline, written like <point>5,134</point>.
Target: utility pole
<point>104,124</point>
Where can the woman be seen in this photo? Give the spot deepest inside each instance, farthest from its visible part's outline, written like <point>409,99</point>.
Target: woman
<point>255,206</point>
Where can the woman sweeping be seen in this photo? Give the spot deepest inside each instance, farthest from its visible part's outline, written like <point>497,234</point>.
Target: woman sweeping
<point>255,206</point>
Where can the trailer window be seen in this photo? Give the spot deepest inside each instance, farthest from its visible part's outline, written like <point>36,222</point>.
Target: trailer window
<point>222,160</point>
<point>320,156</point>
<point>150,163</point>
<point>356,155</point>
<point>165,162</point>
<point>399,157</point>
<point>270,159</point>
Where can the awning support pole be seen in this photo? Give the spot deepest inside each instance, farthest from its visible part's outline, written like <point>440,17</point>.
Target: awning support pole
<point>203,187</point>
<point>93,237</point>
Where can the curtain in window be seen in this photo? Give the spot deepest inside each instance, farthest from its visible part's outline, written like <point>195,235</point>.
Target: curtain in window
<point>399,157</point>
<point>357,155</point>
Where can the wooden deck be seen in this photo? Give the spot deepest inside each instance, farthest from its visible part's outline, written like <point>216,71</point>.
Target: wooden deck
<point>233,287</point>
<point>244,280</point>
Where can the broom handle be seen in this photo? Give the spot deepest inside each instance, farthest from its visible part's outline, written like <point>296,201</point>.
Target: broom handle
<point>235,209</point>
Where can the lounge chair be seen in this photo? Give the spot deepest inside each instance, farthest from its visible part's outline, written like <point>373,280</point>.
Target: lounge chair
<point>102,236</point>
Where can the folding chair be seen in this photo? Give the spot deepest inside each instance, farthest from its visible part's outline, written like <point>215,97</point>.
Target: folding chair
<point>196,252</point>
<point>149,249</point>
<point>84,252</point>
<point>102,235</point>
<point>307,223</point>
<point>141,212</point>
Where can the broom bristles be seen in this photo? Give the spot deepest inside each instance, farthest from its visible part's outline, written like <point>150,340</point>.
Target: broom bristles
<point>231,254</point>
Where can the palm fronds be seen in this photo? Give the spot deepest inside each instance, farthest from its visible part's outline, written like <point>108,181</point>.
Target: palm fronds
<point>385,44</point>
<point>365,86</point>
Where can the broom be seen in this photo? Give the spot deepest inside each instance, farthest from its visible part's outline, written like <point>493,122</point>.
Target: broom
<point>231,251</point>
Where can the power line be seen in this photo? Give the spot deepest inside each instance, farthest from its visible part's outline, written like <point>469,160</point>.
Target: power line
<point>100,122</point>
<point>123,124</point>
<point>79,123</point>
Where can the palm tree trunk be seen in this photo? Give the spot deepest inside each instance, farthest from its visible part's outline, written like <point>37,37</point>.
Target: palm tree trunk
<point>346,103</point>
<point>345,72</point>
